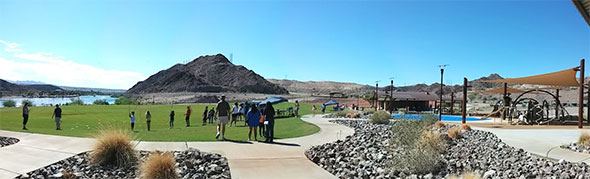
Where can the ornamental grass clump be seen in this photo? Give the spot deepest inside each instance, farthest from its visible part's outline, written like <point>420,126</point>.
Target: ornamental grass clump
<point>454,133</point>
<point>584,139</point>
<point>424,156</point>
<point>439,124</point>
<point>467,175</point>
<point>113,147</point>
<point>466,127</point>
<point>380,117</point>
<point>159,166</point>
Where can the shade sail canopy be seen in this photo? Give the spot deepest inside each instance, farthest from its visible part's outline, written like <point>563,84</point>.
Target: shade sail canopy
<point>501,90</point>
<point>560,78</point>
<point>273,100</point>
<point>331,102</point>
<point>584,7</point>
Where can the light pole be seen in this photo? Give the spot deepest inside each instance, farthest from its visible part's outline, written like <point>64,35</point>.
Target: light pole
<point>440,105</point>
<point>391,95</point>
<point>376,94</point>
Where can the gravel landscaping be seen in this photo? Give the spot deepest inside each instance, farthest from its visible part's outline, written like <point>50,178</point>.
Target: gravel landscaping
<point>191,164</point>
<point>6,141</point>
<point>368,154</point>
<point>577,147</point>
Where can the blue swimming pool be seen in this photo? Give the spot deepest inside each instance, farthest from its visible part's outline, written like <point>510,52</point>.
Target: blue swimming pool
<point>444,117</point>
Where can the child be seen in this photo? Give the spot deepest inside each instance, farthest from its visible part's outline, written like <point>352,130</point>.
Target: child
<point>211,116</point>
<point>132,117</point>
<point>171,119</point>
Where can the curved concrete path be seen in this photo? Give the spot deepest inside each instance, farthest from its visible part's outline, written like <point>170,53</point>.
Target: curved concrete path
<point>543,142</point>
<point>284,159</point>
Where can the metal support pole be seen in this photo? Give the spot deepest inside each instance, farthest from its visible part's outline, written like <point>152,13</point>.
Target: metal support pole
<point>464,102</point>
<point>391,103</point>
<point>440,105</point>
<point>376,95</point>
<point>581,97</point>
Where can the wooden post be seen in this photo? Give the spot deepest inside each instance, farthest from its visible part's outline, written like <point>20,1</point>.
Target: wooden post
<point>503,98</point>
<point>581,96</point>
<point>452,102</point>
<point>558,104</point>
<point>464,103</point>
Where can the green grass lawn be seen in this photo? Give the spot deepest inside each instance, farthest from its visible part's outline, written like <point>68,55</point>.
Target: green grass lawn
<point>85,121</point>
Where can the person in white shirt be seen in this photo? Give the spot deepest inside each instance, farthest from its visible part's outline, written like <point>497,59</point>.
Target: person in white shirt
<point>234,115</point>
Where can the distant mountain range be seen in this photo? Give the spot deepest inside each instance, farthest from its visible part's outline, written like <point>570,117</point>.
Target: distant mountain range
<point>20,87</point>
<point>211,73</point>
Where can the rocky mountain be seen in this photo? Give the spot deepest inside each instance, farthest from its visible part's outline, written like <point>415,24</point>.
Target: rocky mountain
<point>321,87</point>
<point>211,73</point>
<point>8,87</point>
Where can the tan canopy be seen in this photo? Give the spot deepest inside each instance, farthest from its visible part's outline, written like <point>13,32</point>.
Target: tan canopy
<point>560,78</point>
<point>501,90</point>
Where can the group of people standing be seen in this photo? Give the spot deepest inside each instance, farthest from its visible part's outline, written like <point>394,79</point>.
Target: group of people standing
<point>255,118</point>
<point>260,118</point>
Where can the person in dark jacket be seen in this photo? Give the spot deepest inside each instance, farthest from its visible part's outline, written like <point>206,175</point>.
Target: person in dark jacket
<point>171,119</point>
<point>205,115</point>
<point>25,115</point>
<point>57,116</point>
<point>269,115</point>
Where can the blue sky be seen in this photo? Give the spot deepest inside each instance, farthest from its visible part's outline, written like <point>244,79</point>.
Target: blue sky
<point>114,44</point>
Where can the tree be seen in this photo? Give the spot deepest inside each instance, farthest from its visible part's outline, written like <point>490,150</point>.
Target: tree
<point>9,103</point>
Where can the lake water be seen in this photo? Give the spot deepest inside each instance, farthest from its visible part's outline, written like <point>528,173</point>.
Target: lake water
<point>60,101</point>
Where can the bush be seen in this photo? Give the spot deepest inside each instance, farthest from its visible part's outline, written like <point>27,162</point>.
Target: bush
<point>467,175</point>
<point>466,127</point>
<point>113,147</point>
<point>454,133</point>
<point>76,101</point>
<point>9,103</point>
<point>439,124</point>
<point>159,166</point>
<point>27,101</point>
<point>584,139</point>
<point>123,100</point>
<point>100,102</point>
<point>424,156</point>
<point>66,174</point>
<point>380,117</point>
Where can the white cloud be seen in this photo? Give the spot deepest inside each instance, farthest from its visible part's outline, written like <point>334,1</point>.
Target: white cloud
<point>45,67</point>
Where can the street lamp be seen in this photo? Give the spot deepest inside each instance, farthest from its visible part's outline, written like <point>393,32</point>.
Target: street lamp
<point>391,95</point>
<point>376,94</point>
<point>442,70</point>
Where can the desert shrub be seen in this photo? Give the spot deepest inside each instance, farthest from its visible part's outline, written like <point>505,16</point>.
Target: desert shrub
<point>124,100</point>
<point>352,115</point>
<point>584,139</point>
<point>100,102</point>
<point>424,156</point>
<point>380,117</point>
<point>9,103</point>
<point>466,175</point>
<point>466,127</point>
<point>76,101</point>
<point>159,166</point>
<point>369,110</point>
<point>66,174</point>
<point>454,133</point>
<point>113,147</point>
<point>429,119</point>
<point>439,124</point>
<point>406,132</point>
<point>27,101</point>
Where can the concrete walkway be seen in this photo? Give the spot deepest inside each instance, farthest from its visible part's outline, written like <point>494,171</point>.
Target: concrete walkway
<point>284,159</point>
<point>543,142</point>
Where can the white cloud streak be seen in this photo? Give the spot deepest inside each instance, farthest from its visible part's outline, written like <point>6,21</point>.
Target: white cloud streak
<point>15,64</point>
